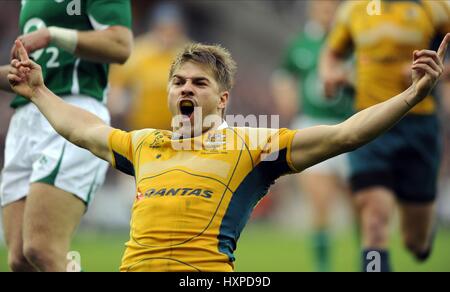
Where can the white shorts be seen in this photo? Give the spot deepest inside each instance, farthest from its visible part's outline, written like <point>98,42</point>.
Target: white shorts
<point>338,165</point>
<point>34,152</point>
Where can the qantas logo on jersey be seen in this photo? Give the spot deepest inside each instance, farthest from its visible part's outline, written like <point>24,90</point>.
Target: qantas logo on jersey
<point>166,192</point>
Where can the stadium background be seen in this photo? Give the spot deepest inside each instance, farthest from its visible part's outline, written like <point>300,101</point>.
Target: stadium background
<point>276,238</point>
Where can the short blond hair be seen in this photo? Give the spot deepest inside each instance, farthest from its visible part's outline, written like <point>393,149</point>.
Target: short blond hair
<point>215,57</point>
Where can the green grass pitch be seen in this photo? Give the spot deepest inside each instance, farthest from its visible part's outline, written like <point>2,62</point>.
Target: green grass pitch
<point>263,248</point>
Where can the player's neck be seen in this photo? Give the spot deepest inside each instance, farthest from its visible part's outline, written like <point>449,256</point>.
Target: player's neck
<point>196,132</point>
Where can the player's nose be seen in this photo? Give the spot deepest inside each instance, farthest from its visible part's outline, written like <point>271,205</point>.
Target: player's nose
<point>187,89</point>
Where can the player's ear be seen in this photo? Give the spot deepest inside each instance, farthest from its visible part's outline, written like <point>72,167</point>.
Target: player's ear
<point>223,99</point>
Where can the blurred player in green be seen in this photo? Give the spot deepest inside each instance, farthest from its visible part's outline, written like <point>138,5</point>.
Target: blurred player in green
<point>297,86</point>
<point>400,167</point>
<point>48,183</point>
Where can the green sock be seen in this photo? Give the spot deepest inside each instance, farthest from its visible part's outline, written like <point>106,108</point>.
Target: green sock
<point>322,250</point>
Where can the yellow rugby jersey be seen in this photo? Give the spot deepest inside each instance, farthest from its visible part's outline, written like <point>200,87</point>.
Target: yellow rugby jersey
<point>384,44</point>
<point>146,74</point>
<point>191,205</point>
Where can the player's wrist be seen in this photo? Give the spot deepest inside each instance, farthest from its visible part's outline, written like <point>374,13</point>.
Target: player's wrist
<point>45,33</point>
<point>64,38</point>
<point>415,95</point>
<point>38,92</point>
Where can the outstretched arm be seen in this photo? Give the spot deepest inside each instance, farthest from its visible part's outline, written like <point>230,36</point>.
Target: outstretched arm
<point>110,41</point>
<point>111,45</point>
<point>316,144</point>
<point>78,126</point>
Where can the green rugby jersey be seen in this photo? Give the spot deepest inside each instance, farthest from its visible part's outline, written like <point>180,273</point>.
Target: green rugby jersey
<point>301,60</point>
<point>64,73</point>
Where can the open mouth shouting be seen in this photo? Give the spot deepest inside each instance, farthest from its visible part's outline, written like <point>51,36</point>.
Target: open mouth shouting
<point>186,107</point>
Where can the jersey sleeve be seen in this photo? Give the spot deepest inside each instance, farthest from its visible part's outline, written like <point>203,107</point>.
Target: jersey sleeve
<point>121,146</point>
<point>277,152</point>
<point>340,38</point>
<point>105,13</point>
